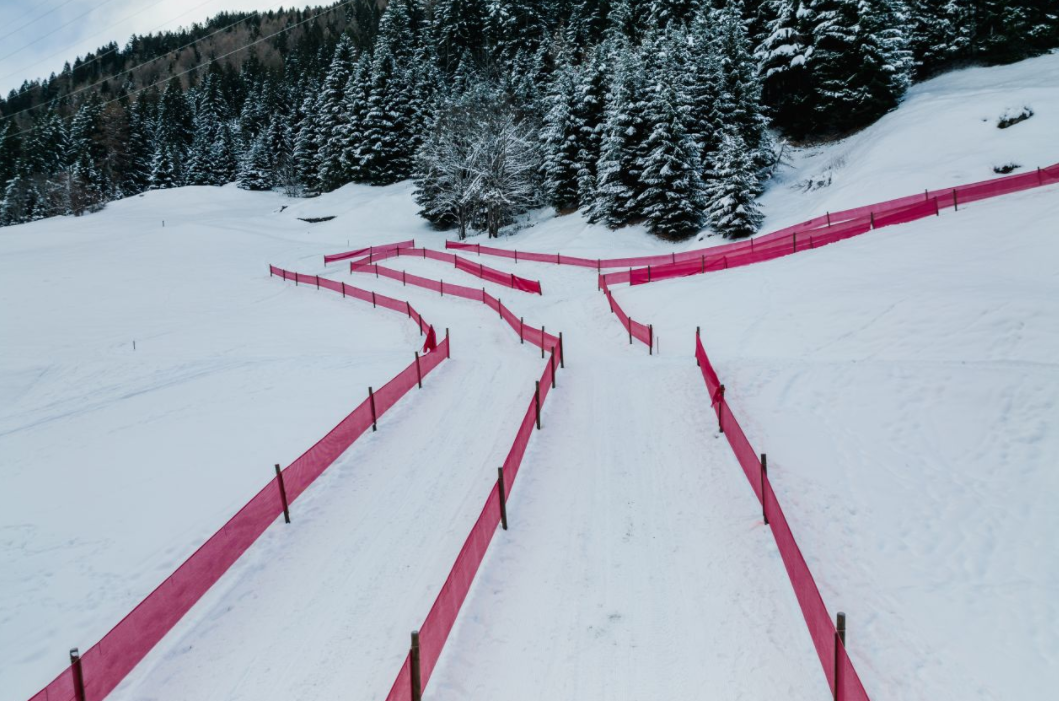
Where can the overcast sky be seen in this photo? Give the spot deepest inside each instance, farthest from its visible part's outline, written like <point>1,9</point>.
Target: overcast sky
<point>38,36</point>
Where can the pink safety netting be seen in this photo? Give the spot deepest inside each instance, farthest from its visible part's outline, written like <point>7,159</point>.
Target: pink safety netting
<point>368,251</point>
<point>446,608</point>
<point>477,269</point>
<point>898,210</point>
<point>107,662</point>
<point>811,603</point>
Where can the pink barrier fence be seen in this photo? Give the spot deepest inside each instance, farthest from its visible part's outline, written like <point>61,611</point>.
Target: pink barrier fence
<point>527,334</point>
<point>442,615</point>
<point>841,677</point>
<point>644,333</point>
<point>819,230</point>
<point>486,273</point>
<point>334,258</point>
<point>376,300</point>
<point>103,666</point>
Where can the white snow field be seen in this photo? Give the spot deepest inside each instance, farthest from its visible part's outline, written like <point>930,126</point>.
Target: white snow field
<point>903,384</point>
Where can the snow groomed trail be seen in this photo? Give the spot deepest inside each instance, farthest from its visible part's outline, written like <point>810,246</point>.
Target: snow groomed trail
<point>609,497</point>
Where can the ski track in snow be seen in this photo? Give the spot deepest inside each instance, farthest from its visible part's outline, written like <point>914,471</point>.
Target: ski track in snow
<point>903,383</point>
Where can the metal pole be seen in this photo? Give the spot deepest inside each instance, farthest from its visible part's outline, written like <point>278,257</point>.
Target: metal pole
<point>503,497</point>
<point>283,494</point>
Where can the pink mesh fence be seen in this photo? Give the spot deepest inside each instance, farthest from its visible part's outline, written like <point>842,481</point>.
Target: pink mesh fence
<point>477,269</point>
<point>106,663</point>
<point>641,332</point>
<point>368,251</point>
<point>821,628</point>
<point>446,608</point>
<point>899,210</point>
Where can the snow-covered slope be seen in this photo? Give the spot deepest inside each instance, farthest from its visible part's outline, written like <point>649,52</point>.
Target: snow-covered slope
<point>902,384</point>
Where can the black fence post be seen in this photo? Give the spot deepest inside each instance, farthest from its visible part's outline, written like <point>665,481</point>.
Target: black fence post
<point>283,494</point>
<point>419,372</point>
<point>537,403</point>
<point>651,339</point>
<point>414,671</point>
<point>374,419</point>
<point>79,675</point>
<point>562,352</point>
<point>448,346</point>
<point>720,408</point>
<point>552,361</point>
<point>373,298</point>
<point>542,340</point>
<point>840,641</point>
<point>503,497</point>
<point>521,325</point>
<point>698,331</point>
<point>764,477</point>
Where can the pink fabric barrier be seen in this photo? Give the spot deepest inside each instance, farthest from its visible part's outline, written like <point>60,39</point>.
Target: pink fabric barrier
<point>446,608</point>
<point>477,269</point>
<point>528,334</point>
<point>922,204</point>
<point>821,629</point>
<point>368,251</point>
<point>641,332</point>
<point>106,663</point>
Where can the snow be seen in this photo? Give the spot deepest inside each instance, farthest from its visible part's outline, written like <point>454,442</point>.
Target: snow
<point>903,384</point>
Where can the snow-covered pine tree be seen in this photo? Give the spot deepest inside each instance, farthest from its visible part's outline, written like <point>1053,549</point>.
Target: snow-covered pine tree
<point>561,137</point>
<point>702,80</point>
<point>586,23</point>
<point>673,197</point>
<point>388,121</point>
<point>90,188</point>
<point>173,131</point>
<point>136,175</point>
<point>307,148</point>
<point>939,32</point>
<point>738,99</point>
<point>210,111</point>
<point>9,151</point>
<point>628,19</point>
<point>460,33</point>
<point>516,26</point>
<point>331,117</point>
<point>782,56</point>
<point>588,110</point>
<point>664,13</point>
<point>255,167</point>
<point>861,65</point>
<point>618,184</point>
<point>732,210</point>
<point>355,149</point>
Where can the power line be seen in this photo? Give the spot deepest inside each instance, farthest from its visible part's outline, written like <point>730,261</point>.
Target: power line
<point>88,38</point>
<point>209,62</point>
<point>35,19</point>
<point>63,26</point>
<point>130,70</point>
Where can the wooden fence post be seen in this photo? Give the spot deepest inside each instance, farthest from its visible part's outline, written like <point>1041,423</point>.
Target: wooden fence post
<point>648,275</point>
<point>404,278</point>
<point>343,290</point>
<point>698,330</point>
<point>794,242</point>
<point>521,325</point>
<point>374,419</point>
<point>720,408</point>
<point>552,362</point>
<point>872,219</point>
<point>318,282</point>
<point>764,477</point>
<point>562,353</point>
<point>79,675</point>
<point>414,668</point>
<point>448,346</point>
<point>829,219</point>
<point>373,298</point>
<point>955,200</point>
<point>650,339</point>
<point>840,641</point>
<point>442,288</point>
<point>419,372</point>
<point>503,497</point>
<point>270,271</point>
<point>537,403</point>
<point>542,340</point>
<point>283,494</point>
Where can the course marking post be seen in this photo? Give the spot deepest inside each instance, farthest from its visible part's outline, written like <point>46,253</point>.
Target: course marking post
<point>764,478</point>
<point>414,668</point>
<point>283,494</point>
<point>503,497</point>
<point>79,674</point>
<point>374,419</point>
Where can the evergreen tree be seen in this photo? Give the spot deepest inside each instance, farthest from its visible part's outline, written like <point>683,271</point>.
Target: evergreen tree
<point>136,176</point>
<point>782,56</point>
<point>459,30</point>
<point>618,184</point>
<point>173,131</point>
<point>358,96</point>
<point>389,118</point>
<point>561,138</point>
<point>90,188</point>
<point>860,63</point>
<point>673,198</point>
<point>255,167</point>
<point>332,119</point>
<point>586,23</point>
<point>307,149</point>
<point>517,26</point>
<point>9,150</point>
<point>588,115</point>
<point>733,211</point>
<point>939,34</point>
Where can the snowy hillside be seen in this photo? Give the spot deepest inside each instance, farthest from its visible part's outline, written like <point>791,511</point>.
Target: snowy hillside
<point>903,384</point>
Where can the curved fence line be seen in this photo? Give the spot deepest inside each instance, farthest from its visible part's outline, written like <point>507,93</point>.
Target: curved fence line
<point>92,676</point>
<point>335,257</point>
<point>644,333</point>
<point>841,676</point>
<point>831,227</point>
<point>485,272</point>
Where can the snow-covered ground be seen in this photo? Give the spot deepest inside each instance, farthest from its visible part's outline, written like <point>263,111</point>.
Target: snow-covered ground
<point>903,384</point>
